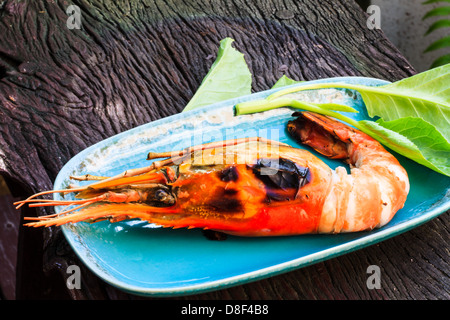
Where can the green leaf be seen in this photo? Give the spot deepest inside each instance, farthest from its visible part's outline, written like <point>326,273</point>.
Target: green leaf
<point>265,104</point>
<point>228,77</point>
<point>434,1</point>
<point>413,138</point>
<point>443,23</point>
<point>441,11</point>
<point>439,44</point>
<point>423,99</point>
<point>441,61</point>
<point>285,81</point>
<point>425,95</point>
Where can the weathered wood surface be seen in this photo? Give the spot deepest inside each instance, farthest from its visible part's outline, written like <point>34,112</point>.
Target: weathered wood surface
<point>132,62</point>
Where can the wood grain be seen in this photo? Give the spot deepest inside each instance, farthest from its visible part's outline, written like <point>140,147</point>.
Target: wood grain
<point>132,62</point>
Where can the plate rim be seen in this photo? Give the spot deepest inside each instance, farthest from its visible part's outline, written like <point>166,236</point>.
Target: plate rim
<point>439,207</point>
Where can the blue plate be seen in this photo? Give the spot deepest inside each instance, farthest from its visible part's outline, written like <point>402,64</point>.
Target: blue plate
<point>144,259</point>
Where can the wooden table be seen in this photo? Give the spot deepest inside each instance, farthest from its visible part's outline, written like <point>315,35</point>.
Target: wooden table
<point>63,89</point>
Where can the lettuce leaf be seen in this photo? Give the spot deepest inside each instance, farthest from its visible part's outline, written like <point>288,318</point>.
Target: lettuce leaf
<point>413,138</point>
<point>414,114</point>
<point>228,77</point>
<point>425,95</point>
<point>285,81</point>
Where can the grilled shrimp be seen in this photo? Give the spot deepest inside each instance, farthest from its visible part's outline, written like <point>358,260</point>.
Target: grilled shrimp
<point>376,188</point>
<point>250,187</point>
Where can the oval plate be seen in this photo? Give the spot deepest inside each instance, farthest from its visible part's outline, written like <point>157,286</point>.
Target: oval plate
<point>143,259</point>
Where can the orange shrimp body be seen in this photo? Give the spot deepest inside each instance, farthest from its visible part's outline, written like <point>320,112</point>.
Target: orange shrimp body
<point>376,188</point>
<point>252,187</point>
